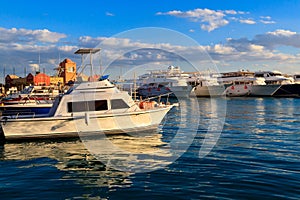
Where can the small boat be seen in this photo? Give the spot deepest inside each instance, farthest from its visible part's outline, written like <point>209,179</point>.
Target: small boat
<point>32,100</point>
<point>87,108</point>
<point>33,108</point>
<point>31,94</point>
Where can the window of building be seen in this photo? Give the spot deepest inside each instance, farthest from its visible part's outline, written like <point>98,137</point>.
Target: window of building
<point>70,69</point>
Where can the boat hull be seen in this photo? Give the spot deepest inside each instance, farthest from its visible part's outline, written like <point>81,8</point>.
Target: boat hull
<point>56,127</point>
<point>208,91</point>
<point>288,90</point>
<point>263,90</point>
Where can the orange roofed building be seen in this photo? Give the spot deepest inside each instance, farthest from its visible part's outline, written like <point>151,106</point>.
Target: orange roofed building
<point>67,70</point>
<point>42,79</point>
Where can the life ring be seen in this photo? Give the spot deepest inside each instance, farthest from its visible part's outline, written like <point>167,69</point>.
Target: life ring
<point>232,87</point>
<point>245,87</point>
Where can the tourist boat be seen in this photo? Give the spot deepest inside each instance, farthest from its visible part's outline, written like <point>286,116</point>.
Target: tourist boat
<point>273,83</point>
<point>232,84</point>
<point>159,82</point>
<point>207,85</point>
<point>87,108</point>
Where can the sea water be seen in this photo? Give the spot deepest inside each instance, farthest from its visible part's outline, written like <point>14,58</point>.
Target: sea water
<point>234,148</point>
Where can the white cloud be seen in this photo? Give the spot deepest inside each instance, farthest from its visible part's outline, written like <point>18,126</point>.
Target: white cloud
<point>267,22</point>
<point>29,36</point>
<point>265,17</point>
<point>256,48</point>
<point>281,32</point>
<point>247,21</point>
<point>67,48</point>
<point>109,14</point>
<point>232,12</point>
<point>209,19</point>
<point>269,40</point>
<point>213,19</point>
<point>34,67</point>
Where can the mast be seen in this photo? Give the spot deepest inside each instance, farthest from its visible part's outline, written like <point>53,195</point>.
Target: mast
<point>89,52</point>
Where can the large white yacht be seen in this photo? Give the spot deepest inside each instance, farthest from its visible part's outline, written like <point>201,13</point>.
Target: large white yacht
<point>272,83</point>
<point>157,82</point>
<point>225,84</point>
<point>207,86</point>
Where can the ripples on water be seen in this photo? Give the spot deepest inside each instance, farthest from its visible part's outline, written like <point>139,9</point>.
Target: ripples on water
<point>256,157</point>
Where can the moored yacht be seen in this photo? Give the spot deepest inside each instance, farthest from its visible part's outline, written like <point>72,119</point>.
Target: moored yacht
<point>207,86</point>
<point>158,82</point>
<point>268,83</point>
<point>88,107</point>
<point>231,84</point>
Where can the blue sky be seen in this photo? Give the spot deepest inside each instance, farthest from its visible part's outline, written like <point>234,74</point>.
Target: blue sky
<point>254,35</point>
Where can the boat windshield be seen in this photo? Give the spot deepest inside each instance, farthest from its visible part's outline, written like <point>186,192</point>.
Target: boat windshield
<point>70,90</point>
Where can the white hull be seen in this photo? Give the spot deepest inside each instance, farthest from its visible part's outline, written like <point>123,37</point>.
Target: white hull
<point>53,127</point>
<point>238,90</point>
<point>208,91</point>
<point>264,90</point>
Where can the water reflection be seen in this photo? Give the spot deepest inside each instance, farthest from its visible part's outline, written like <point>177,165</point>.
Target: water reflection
<point>72,157</point>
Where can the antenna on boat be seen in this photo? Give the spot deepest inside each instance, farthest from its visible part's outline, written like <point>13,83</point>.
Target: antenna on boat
<point>4,73</point>
<point>134,86</point>
<point>39,60</point>
<point>89,51</point>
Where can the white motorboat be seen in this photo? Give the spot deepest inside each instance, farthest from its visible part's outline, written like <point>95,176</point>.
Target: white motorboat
<point>87,108</point>
<point>159,82</point>
<point>31,94</point>
<point>268,83</point>
<point>231,84</point>
<point>207,86</point>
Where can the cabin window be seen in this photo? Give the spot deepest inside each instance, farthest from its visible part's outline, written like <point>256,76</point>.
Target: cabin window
<point>83,106</point>
<point>118,104</point>
<point>259,75</point>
